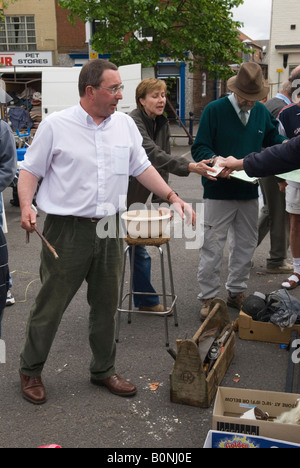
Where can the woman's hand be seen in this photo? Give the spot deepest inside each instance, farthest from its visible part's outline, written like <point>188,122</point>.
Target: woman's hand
<point>202,168</point>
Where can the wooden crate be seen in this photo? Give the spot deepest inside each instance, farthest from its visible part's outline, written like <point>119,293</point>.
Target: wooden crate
<point>188,381</point>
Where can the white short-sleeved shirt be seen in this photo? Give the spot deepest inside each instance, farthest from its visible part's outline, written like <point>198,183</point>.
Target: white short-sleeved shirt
<point>85,167</point>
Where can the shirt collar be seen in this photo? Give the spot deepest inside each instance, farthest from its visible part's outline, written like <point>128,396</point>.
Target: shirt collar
<point>235,105</point>
<point>284,98</point>
<point>88,120</point>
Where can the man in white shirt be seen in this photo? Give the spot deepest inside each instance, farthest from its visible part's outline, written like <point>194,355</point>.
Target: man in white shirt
<point>85,156</point>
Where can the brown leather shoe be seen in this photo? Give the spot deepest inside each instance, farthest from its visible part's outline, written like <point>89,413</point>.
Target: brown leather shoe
<point>33,389</point>
<point>156,308</point>
<point>116,385</point>
<point>205,309</point>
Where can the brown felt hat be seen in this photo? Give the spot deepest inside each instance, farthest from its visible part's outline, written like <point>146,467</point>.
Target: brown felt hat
<point>249,83</point>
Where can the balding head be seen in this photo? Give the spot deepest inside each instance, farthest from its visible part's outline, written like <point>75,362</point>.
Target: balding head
<point>286,89</point>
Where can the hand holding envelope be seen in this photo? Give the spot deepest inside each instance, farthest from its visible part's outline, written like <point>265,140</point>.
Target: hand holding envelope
<point>219,168</point>
<point>232,164</point>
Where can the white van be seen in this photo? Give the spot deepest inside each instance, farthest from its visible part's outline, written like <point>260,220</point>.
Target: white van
<point>59,86</point>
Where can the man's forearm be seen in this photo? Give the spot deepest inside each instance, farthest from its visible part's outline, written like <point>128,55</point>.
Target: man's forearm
<point>27,185</point>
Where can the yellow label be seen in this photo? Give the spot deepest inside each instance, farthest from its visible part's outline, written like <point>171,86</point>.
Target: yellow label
<point>93,56</point>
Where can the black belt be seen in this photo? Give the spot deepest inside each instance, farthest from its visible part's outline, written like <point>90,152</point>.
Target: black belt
<point>81,218</point>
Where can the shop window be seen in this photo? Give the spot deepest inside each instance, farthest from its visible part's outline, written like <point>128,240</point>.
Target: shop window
<point>17,33</point>
<point>145,33</point>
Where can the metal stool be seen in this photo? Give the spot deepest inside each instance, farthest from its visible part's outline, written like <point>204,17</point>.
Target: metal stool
<point>151,242</point>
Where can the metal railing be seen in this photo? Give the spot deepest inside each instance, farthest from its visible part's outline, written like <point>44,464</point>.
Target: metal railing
<point>187,126</point>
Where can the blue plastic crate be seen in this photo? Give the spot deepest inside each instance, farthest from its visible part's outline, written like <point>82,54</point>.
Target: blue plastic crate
<point>21,153</point>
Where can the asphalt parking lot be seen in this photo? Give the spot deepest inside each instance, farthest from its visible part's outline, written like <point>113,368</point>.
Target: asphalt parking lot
<point>78,414</point>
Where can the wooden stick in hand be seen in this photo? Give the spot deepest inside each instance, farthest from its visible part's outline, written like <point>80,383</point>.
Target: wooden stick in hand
<point>49,246</point>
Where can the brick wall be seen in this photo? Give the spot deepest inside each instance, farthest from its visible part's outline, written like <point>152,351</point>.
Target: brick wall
<point>200,101</point>
<point>69,37</point>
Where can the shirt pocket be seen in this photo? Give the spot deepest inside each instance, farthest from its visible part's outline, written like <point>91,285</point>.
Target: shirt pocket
<point>120,160</point>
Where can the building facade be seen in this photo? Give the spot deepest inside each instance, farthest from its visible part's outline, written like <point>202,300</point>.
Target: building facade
<point>284,43</point>
<point>38,33</point>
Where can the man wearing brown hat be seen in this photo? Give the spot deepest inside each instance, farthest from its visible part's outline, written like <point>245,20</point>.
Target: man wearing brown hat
<point>232,126</point>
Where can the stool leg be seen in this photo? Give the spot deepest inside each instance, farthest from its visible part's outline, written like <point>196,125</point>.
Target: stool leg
<point>172,283</point>
<point>121,295</point>
<point>163,278</point>
<point>131,281</point>
<point>164,293</point>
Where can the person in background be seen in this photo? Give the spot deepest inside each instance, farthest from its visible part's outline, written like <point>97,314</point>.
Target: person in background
<point>273,217</point>
<point>8,169</point>
<point>281,100</point>
<point>154,127</point>
<point>10,300</point>
<point>234,125</point>
<point>289,119</point>
<point>278,159</point>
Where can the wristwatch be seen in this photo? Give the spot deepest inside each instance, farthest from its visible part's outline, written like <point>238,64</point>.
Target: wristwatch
<point>212,161</point>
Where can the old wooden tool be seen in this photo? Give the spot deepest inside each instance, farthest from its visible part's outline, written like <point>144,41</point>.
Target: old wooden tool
<point>189,381</point>
<point>49,246</point>
<point>206,340</point>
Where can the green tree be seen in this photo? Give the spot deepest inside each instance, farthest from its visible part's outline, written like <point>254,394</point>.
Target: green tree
<point>4,4</point>
<point>199,32</point>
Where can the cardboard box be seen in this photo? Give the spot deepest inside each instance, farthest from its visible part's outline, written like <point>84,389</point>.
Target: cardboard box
<point>251,330</point>
<point>232,403</point>
<point>226,440</point>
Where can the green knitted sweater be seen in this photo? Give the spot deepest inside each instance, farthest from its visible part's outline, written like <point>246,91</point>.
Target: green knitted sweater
<point>222,133</point>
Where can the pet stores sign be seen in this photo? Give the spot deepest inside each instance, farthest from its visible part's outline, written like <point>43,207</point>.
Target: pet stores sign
<point>26,59</point>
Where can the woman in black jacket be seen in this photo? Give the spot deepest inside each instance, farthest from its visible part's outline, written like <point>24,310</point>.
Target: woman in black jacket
<point>155,130</point>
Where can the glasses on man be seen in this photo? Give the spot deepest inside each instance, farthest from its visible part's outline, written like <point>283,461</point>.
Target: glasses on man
<point>114,91</point>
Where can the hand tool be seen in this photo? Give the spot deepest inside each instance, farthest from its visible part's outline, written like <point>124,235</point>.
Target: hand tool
<point>49,246</point>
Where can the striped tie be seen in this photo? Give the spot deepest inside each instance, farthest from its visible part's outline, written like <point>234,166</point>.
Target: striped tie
<point>243,117</point>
